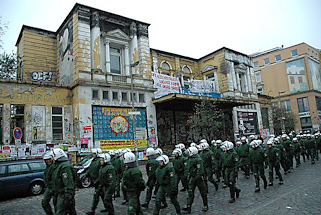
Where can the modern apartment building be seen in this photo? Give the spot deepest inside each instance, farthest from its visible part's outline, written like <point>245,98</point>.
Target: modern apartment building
<point>292,77</point>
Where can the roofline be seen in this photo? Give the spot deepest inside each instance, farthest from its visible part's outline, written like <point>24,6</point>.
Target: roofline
<point>27,27</point>
<point>223,48</point>
<point>77,5</point>
<point>173,54</point>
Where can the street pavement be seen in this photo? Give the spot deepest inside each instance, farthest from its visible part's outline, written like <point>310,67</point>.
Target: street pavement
<point>300,194</point>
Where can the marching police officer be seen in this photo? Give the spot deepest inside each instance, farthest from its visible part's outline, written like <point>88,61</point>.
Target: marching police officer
<point>63,183</point>
<point>196,179</point>
<point>257,158</point>
<point>178,164</point>
<point>274,159</point>
<point>133,183</point>
<point>166,178</point>
<point>244,153</point>
<point>48,194</point>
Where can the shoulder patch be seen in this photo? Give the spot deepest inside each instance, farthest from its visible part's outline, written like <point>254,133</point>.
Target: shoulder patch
<point>277,154</point>
<point>198,166</point>
<point>236,159</point>
<point>64,175</point>
<point>171,174</point>
<point>110,175</point>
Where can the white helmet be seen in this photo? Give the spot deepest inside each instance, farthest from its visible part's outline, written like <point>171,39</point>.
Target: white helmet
<point>150,151</point>
<point>252,137</point>
<point>276,140</point>
<point>223,147</point>
<point>238,143</point>
<point>129,157</point>
<point>206,145</point>
<point>159,151</point>
<point>229,145</point>
<point>201,146</point>
<point>270,142</point>
<point>193,144</point>
<point>308,135</point>
<point>48,155</point>
<point>123,151</point>
<point>179,151</point>
<point>96,151</point>
<point>163,158</point>
<point>243,139</point>
<point>105,156</point>
<point>180,146</point>
<point>254,144</point>
<point>259,141</point>
<point>284,136</point>
<point>192,151</point>
<point>295,140</point>
<point>112,152</point>
<point>203,141</point>
<point>213,142</point>
<point>58,153</point>
<point>218,141</point>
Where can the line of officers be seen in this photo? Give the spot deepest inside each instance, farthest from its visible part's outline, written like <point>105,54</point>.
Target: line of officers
<point>195,166</point>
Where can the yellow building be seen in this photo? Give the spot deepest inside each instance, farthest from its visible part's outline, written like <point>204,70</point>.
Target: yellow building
<point>292,76</point>
<point>95,82</point>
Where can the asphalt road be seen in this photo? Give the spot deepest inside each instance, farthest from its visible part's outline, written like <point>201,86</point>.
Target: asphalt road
<point>300,194</point>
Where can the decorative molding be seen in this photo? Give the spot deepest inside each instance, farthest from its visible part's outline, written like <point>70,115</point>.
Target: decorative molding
<point>119,34</point>
<point>208,68</point>
<point>142,30</point>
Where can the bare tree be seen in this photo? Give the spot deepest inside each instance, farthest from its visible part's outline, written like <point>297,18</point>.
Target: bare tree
<point>3,30</point>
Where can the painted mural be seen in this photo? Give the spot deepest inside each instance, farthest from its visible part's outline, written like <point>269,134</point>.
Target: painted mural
<point>66,56</point>
<point>315,74</point>
<point>113,127</point>
<point>296,76</point>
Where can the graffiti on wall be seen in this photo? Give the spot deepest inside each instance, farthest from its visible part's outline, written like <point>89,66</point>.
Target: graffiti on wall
<point>315,74</point>
<point>38,122</point>
<point>296,76</point>
<point>66,56</point>
<point>42,76</point>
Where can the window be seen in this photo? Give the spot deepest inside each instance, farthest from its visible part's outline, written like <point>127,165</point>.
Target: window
<point>131,95</point>
<point>294,52</point>
<point>115,95</point>
<point>17,120</point>
<point>2,170</point>
<point>185,83</point>
<point>115,60</point>
<point>306,122</point>
<point>258,77</point>
<point>37,167</point>
<point>260,90</point>
<point>292,80</point>
<point>286,106</point>
<point>95,94</point>
<point>256,64</point>
<point>124,96</point>
<point>105,95</point>
<point>318,101</point>
<point>300,80</point>
<point>242,81</point>
<point>165,65</point>
<point>303,104</point>
<point>266,61</point>
<point>274,104</point>
<point>57,123</point>
<point>277,57</point>
<point>18,168</point>
<point>1,124</point>
<point>141,98</point>
<point>186,69</point>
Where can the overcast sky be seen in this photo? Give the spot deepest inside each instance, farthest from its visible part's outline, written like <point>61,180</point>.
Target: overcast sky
<point>189,28</point>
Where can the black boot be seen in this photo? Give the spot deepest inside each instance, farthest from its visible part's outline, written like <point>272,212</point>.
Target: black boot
<point>238,192</point>
<point>205,208</point>
<point>145,205</point>
<point>187,209</point>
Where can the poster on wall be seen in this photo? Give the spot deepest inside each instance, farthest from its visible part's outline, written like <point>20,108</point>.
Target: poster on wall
<point>165,84</point>
<point>296,76</point>
<point>315,75</point>
<point>113,127</point>
<point>38,122</point>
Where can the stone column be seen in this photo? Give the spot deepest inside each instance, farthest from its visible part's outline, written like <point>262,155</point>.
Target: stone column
<point>126,60</point>
<point>95,41</point>
<point>107,56</point>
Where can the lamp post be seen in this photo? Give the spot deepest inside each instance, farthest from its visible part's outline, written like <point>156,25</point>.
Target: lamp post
<point>133,113</point>
<point>282,116</point>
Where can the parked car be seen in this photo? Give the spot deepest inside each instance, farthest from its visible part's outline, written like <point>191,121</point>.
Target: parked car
<point>84,180</point>
<point>22,176</point>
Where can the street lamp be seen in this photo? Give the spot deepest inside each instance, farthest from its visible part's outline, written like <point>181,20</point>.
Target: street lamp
<point>282,120</point>
<point>133,113</point>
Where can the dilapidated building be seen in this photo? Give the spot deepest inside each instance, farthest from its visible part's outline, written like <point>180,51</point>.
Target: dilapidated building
<point>95,81</point>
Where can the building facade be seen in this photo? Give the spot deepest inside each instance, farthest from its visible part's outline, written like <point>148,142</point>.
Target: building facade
<point>95,82</point>
<point>292,77</point>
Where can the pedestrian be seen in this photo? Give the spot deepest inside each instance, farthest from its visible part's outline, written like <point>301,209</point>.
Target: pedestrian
<point>230,164</point>
<point>166,178</point>
<point>49,193</point>
<point>133,184</point>
<point>93,172</point>
<point>63,183</point>
<point>258,159</point>
<point>151,166</point>
<point>178,164</point>
<point>274,158</point>
<point>196,176</point>
<point>244,153</point>
<point>107,182</point>
<point>209,164</point>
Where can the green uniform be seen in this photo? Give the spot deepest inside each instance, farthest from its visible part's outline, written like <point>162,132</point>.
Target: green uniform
<point>289,152</point>
<point>107,182</point>
<point>274,158</point>
<point>218,162</point>
<point>48,194</point>
<point>257,158</point>
<point>282,157</point>
<point>151,166</point>
<point>208,158</point>
<point>63,183</point>
<point>196,177</point>
<point>116,162</point>
<point>244,163</point>
<point>178,164</point>
<point>297,152</point>
<point>230,164</point>
<point>310,147</point>
<point>93,171</point>
<point>134,184</point>
<point>303,149</point>
<point>166,178</point>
